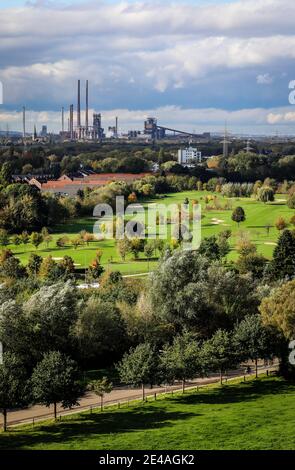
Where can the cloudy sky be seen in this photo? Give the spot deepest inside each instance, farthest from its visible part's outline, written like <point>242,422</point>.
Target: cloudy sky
<point>193,64</point>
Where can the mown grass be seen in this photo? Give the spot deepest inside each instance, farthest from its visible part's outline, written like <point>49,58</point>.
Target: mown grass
<point>258,216</point>
<point>259,414</point>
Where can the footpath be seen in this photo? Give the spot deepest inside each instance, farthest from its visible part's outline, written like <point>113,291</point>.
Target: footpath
<point>119,395</point>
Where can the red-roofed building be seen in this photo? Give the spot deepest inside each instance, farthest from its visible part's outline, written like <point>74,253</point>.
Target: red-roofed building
<point>70,185</point>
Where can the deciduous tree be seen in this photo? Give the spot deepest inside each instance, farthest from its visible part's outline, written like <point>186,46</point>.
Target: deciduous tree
<point>56,379</point>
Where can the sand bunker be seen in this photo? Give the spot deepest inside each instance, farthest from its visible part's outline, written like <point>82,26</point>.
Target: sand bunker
<point>270,243</point>
<point>216,221</point>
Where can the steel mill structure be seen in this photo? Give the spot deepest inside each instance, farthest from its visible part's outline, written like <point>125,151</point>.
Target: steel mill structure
<point>78,130</point>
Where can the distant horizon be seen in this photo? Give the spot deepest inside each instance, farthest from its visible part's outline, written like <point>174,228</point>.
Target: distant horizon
<point>193,64</point>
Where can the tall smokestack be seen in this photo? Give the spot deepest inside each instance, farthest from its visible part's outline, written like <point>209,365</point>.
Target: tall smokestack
<point>79,105</point>
<point>24,122</point>
<point>72,121</point>
<point>62,119</point>
<point>117,126</point>
<point>87,106</point>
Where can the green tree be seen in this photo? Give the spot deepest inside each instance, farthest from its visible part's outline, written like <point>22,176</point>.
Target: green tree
<point>25,238</point>
<point>100,388</point>
<point>16,240</point>
<point>138,366</point>
<point>123,247</point>
<point>36,239</point>
<point>77,241</point>
<point>62,242</point>
<point>148,251</point>
<point>291,201</point>
<point>6,173</point>
<point>283,262</point>
<point>266,194</point>
<point>161,156</point>
<point>224,246</point>
<point>136,246</point>
<point>13,384</point>
<point>34,264</point>
<point>12,268</point>
<point>67,266</point>
<point>210,248</point>
<point>186,291</point>
<point>182,360</point>
<point>278,311</point>
<point>159,245</point>
<point>251,339</point>
<point>52,313</point>
<point>4,237</point>
<point>99,330</point>
<point>56,379</point>
<point>238,215</point>
<point>46,237</point>
<point>218,353</point>
<point>252,263</point>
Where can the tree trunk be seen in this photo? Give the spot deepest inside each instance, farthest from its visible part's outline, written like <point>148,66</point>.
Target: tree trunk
<point>183,385</point>
<point>4,420</point>
<point>55,412</point>
<point>220,376</point>
<point>256,368</point>
<point>143,395</point>
<point>101,403</point>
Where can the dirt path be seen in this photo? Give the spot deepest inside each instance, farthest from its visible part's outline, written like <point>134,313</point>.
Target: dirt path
<point>119,394</point>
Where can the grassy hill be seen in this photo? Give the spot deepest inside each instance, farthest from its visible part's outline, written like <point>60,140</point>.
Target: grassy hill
<point>258,414</point>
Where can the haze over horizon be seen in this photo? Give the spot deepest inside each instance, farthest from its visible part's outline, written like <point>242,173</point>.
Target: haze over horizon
<point>192,64</point>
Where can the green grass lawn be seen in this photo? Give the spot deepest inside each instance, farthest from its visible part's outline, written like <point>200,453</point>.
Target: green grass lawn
<point>257,213</point>
<point>259,414</point>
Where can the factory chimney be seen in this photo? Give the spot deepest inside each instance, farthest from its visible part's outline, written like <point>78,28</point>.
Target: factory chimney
<point>87,107</point>
<point>62,119</point>
<point>79,105</point>
<point>72,121</point>
<point>24,122</point>
<point>117,126</point>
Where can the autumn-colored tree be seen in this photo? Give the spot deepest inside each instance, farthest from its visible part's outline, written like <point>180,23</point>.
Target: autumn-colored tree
<point>281,223</point>
<point>47,266</point>
<point>245,248</point>
<point>279,309</point>
<point>123,247</point>
<point>132,198</point>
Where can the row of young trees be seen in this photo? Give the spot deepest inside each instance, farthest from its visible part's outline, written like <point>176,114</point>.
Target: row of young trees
<point>188,357</point>
<point>45,269</point>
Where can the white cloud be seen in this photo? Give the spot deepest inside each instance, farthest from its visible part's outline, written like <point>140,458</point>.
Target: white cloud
<point>278,118</point>
<point>264,79</point>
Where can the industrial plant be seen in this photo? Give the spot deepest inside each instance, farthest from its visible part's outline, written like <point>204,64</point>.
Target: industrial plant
<point>78,126</point>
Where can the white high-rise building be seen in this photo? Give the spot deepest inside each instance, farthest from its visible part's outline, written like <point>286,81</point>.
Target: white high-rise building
<point>189,156</point>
